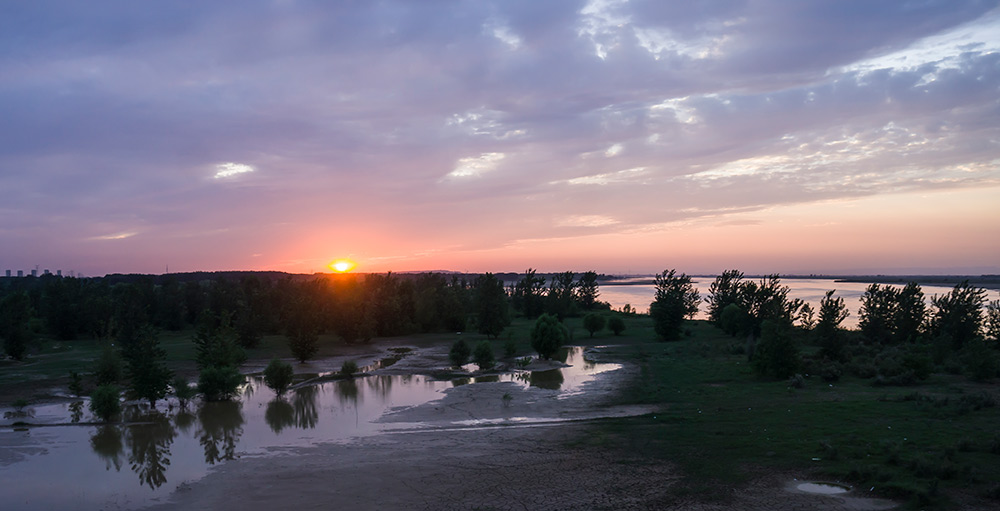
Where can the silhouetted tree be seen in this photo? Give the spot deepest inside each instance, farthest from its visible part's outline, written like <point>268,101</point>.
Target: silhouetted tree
<point>594,322</point>
<point>958,314</point>
<point>616,324</point>
<point>725,290</point>
<point>528,296</point>
<point>776,356</point>
<point>104,402</point>
<point>878,313</point>
<point>832,312</point>
<point>483,355</point>
<point>15,324</point>
<point>459,353</point>
<point>491,305</point>
<point>676,299</point>
<point>149,377</point>
<point>911,313</point>
<point>547,335</point>
<point>587,290</point>
<point>560,300</point>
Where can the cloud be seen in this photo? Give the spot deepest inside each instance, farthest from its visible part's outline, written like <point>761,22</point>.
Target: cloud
<point>541,120</point>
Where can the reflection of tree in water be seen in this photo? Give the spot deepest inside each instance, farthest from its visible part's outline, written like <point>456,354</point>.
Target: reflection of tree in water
<point>347,391</point>
<point>184,420</point>
<point>381,384</point>
<point>551,379</point>
<point>221,427</point>
<point>562,354</point>
<point>306,411</point>
<point>279,415</point>
<point>149,447</point>
<point>107,444</point>
<point>75,411</point>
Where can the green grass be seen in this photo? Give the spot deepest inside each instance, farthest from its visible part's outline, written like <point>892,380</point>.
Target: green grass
<point>721,425</point>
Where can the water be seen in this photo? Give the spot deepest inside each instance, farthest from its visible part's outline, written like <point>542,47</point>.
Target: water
<point>70,464</point>
<point>639,296</point>
<point>822,488</point>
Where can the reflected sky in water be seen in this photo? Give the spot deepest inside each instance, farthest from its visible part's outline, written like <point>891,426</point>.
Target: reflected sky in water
<point>132,464</point>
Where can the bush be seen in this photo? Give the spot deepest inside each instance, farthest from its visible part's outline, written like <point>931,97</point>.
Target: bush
<point>104,402</point>
<point>830,371</point>
<point>219,383</point>
<point>459,353</point>
<point>776,355</point>
<point>797,382</point>
<point>183,391</point>
<point>278,376</point>
<point>483,356</point>
<point>348,368</point>
<point>547,336</point>
<point>594,322</point>
<point>616,325</point>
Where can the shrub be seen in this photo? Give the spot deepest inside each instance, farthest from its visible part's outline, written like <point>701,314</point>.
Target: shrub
<point>183,391</point>
<point>776,355</point>
<point>459,353</point>
<point>219,383</point>
<point>348,368</point>
<point>616,325</point>
<point>104,402</point>
<point>75,384</point>
<point>483,356</point>
<point>278,376</point>
<point>797,382</point>
<point>830,371</point>
<point>594,322</point>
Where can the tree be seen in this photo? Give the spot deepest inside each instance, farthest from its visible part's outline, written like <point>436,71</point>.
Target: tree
<point>878,313</point>
<point>528,297</point>
<point>104,402</point>
<point>958,314</point>
<point>911,313</point>
<point>278,376</point>
<point>459,353</point>
<point>491,305</point>
<point>616,324</point>
<point>735,321</point>
<point>15,324</point>
<point>483,355</point>
<point>547,336</point>
<point>586,290</point>
<point>725,290</point>
<point>676,299</point>
<point>594,322</point>
<point>560,299</point>
<point>832,312</point>
<point>217,343</point>
<point>993,323</point>
<point>149,377</point>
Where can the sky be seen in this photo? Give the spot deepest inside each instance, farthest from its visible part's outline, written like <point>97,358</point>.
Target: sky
<point>622,136</point>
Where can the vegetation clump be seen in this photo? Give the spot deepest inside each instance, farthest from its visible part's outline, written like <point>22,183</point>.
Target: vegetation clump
<point>594,322</point>
<point>459,353</point>
<point>105,403</point>
<point>348,368</point>
<point>278,375</point>
<point>547,335</point>
<point>483,355</point>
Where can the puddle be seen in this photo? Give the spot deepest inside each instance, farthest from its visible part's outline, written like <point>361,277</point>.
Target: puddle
<point>147,456</point>
<point>822,488</point>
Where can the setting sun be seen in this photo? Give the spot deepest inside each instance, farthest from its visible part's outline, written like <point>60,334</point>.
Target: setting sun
<point>342,265</point>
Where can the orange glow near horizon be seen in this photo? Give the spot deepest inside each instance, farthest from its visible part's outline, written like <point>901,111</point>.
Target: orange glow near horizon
<point>342,265</point>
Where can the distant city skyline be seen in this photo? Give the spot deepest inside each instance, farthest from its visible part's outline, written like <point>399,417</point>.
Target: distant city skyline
<point>621,136</point>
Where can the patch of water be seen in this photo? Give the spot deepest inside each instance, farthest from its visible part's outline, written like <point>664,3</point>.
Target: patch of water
<point>822,488</point>
<point>153,451</point>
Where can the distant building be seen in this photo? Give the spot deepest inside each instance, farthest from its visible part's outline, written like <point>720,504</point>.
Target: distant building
<point>34,273</point>
<point>59,273</point>
<point>8,273</point>
<point>46,272</point>
<point>20,273</point>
